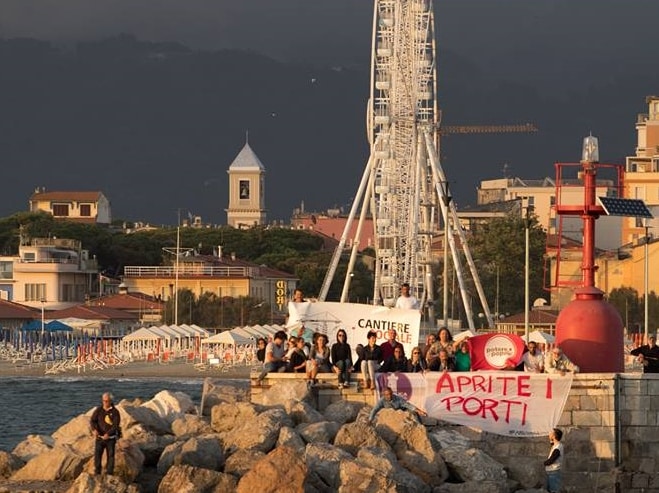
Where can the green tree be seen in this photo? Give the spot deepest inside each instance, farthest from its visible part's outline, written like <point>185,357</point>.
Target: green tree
<point>498,248</point>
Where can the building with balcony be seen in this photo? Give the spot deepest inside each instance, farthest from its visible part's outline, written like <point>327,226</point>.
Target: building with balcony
<point>86,207</point>
<point>221,275</point>
<point>642,172</point>
<point>48,273</point>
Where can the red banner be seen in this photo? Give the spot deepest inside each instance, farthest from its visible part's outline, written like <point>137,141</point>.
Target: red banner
<point>495,351</point>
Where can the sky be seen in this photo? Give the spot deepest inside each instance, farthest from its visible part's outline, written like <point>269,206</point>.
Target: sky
<point>560,49</point>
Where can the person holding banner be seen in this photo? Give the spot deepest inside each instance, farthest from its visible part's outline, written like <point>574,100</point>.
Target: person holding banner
<point>533,360</point>
<point>392,401</point>
<point>648,355</point>
<point>557,362</point>
<point>371,360</point>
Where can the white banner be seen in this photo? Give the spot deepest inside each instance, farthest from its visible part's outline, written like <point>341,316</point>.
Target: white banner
<point>510,403</point>
<point>356,319</point>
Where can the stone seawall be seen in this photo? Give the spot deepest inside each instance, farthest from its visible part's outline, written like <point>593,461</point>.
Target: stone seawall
<point>610,424</point>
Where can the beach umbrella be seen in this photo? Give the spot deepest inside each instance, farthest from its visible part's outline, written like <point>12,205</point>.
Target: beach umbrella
<point>57,326</point>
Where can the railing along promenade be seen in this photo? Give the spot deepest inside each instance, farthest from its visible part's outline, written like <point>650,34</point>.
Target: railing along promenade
<point>189,270</point>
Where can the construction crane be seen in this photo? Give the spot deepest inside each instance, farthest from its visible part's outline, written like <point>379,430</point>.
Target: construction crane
<point>487,129</point>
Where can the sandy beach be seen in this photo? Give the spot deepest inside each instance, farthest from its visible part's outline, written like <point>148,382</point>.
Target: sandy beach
<point>138,369</point>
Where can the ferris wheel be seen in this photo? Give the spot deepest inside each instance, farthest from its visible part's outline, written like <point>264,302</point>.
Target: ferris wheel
<point>404,186</point>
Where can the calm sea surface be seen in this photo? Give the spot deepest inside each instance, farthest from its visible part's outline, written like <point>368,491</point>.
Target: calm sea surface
<point>41,405</point>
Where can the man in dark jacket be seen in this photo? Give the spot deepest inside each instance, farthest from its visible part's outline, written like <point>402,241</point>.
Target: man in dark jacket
<point>105,423</point>
<point>648,355</point>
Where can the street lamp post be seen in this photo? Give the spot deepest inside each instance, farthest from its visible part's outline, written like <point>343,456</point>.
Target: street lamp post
<point>43,325</point>
<point>645,280</point>
<point>446,198</point>
<point>527,301</point>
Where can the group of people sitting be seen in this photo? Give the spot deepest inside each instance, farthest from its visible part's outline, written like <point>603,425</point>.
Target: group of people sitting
<point>311,353</point>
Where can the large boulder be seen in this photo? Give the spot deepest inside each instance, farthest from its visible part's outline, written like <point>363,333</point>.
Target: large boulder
<point>324,431</point>
<point>412,446</point>
<point>150,443</point>
<point>32,446</point>
<point>128,461</point>
<point>385,462</point>
<point>74,429</point>
<point>288,437</point>
<point>355,477</point>
<point>228,415</point>
<point>242,461</point>
<point>323,460</point>
<point>58,464</point>
<point>217,391</point>
<point>146,417</point>
<point>188,479</point>
<point>204,451</point>
<point>476,487</point>
<point>282,392</point>
<point>343,411</point>
<point>302,412</point>
<point>353,436</point>
<point>189,425</point>
<point>9,464</point>
<point>281,471</point>
<point>472,464</point>
<point>88,483</point>
<point>260,433</point>
<point>171,405</point>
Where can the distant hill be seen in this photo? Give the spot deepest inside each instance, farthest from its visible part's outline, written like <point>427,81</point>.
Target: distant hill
<point>156,125</point>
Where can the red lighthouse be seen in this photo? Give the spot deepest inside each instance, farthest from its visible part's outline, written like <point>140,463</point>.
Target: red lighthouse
<point>589,329</point>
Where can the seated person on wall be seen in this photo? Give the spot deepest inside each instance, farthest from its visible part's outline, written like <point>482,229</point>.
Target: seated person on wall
<point>388,347</point>
<point>298,360</point>
<point>371,360</point>
<point>260,349</point>
<point>275,355</point>
<point>395,362</point>
<point>445,362</point>
<point>557,362</point>
<point>462,357</point>
<point>416,363</point>
<point>390,400</point>
<point>648,355</point>
<point>341,355</point>
<point>319,359</point>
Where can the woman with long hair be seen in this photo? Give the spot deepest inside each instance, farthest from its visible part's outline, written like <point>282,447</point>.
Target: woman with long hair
<point>319,359</point>
<point>341,356</point>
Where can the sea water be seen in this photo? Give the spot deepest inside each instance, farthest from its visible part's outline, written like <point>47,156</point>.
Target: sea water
<point>31,405</point>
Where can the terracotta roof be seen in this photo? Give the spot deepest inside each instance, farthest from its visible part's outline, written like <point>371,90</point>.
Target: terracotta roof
<point>535,317</point>
<point>62,195</point>
<point>11,310</point>
<point>128,301</point>
<point>87,312</point>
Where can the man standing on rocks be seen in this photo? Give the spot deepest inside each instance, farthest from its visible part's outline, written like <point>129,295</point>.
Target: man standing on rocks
<point>392,401</point>
<point>105,423</point>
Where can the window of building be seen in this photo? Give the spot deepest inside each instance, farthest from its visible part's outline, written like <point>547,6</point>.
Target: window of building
<point>61,210</point>
<point>85,210</point>
<point>73,292</point>
<point>35,292</point>
<point>6,269</point>
<point>243,186</point>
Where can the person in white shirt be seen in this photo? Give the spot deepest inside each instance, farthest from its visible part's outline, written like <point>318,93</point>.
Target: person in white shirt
<point>554,463</point>
<point>406,300</point>
<point>533,359</point>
